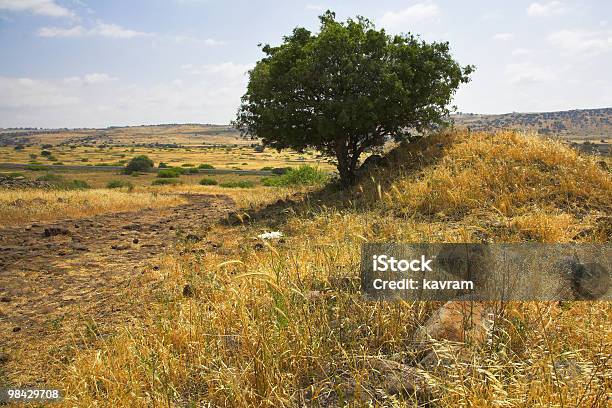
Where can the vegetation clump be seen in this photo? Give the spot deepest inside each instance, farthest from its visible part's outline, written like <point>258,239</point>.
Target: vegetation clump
<point>237,184</point>
<point>207,181</point>
<point>206,166</point>
<point>120,184</point>
<point>61,183</point>
<point>166,181</point>
<point>302,176</point>
<point>141,164</point>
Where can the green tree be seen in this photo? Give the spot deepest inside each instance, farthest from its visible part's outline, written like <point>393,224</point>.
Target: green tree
<point>139,164</point>
<point>348,89</point>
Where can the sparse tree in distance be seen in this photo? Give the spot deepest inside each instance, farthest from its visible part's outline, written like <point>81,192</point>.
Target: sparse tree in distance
<point>140,164</point>
<point>347,89</point>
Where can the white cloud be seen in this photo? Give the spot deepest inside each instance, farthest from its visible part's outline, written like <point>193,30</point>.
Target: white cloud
<point>546,9</point>
<point>89,79</point>
<point>519,52</point>
<point>582,42</point>
<point>31,93</point>
<point>503,36</point>
<point>100,29</point>
<point>41,7</point>
<point>416,13</point>
<point>528,73</point>
<point>204,93</point>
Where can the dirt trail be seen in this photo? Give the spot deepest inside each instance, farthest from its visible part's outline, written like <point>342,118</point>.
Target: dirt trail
<point>57,278</point>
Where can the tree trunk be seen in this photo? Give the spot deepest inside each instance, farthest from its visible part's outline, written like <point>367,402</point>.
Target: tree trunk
<point>347,164</point>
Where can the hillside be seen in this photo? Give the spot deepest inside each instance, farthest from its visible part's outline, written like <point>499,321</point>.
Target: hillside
<point>172,134</point>
<point>581,124</point>
<point>245,322</point>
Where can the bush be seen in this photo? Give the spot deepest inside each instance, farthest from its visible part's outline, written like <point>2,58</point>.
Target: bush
<point>51,158</point>
<point>168,173</point>
<point>267,168</point>
<point>192,170</point>
<point>163,165</point>
<point>45,153</point>
<point>302,176</point>
<point>140,163</point>
<point>206,181</point>
<point>206,166</point>
<point>85,159</point>
<point>165,181</point>
<point>46,146</point>
<point>58,164</point>
<point>120,184</point>
<point>36,167</point>
<point>19,147</point>
<point>238,184</point>
<point>187,165</point>
<point>61,183</point>
<point>279,171</point>
<point>33,156</point>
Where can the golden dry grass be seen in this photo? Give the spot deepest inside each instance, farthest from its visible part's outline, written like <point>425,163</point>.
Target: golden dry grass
<point>18,207</point>
<point>285,325</point>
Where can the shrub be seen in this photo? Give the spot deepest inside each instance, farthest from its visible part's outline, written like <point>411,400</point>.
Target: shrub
<point>19,147</point>
<point>187,165</point>
<point>46,146</point>
<point>45,153</point>
<point>206,181</point>
<point>61,183</point>
<point>267,168</point>
<point>163,165</point>
<point>302,176</point>
<point>238,184</point>
<point>36,167</point>
<point>51,158</point>
<point>280,170</point>
<point>168,173</point>
<point>140,163</point>
<point>206,166</point>
<point>33,156</point>
<point>120,184</point>
<point>192,170</point>
<point>165,181</point>
<point>85,159</point>
<point>58,164</point>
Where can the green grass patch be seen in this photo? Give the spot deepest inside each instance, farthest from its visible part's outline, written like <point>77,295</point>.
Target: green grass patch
<point>301,176</point>
<point>61,183</point>
<point>169,173</point>
<point>206,166</point>
<point>238,184</point>
<point>207,181</point>
<point>120,184</point>
<point>166,181</point>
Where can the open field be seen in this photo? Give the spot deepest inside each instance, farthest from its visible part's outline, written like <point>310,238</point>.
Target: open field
<point>232,320</point>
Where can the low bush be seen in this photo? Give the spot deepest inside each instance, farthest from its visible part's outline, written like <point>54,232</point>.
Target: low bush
<point>36,167</point>
<point>267,168</point>
<point>238,184</point>
<point>120,184</point>
<point>163,165</point>
<point>279,171</point>
<point>165,181</point>
<point>301,176</point>
<point>206,181</point>
<point>140,163</point>
<point>168,173</point>
<point>61,183</point>
<point>187,165</point>
<point>206,166</point>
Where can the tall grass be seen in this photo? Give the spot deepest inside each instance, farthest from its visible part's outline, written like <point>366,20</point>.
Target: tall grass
<point>284,324</point>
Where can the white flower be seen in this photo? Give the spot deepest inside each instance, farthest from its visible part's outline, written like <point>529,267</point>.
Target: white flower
<point>271,235</point>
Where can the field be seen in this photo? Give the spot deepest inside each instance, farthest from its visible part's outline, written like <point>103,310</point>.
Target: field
<point>211,314</point>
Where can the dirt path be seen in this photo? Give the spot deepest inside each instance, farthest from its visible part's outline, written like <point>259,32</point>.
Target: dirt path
<point>58,278</point>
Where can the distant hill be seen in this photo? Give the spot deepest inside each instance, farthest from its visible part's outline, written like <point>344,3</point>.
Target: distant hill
<point>580,124</point>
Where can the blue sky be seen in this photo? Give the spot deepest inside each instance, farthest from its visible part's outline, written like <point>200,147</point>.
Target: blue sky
<point>85,63</point>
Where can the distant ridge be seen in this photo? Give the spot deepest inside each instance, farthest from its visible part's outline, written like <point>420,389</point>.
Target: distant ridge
<point>583,124</point>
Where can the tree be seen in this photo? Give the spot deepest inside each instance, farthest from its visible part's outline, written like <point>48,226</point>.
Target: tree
<point>139,164</point>
<point>347,89</point>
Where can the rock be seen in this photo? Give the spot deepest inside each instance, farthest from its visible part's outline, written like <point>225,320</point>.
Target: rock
<point>188,291</point>
<point>135,240</point>
<point>258,246</point>
<point>457,321</point>
<point>78,247</point>
<point>5,299</point>
<point>16,329</point>
<point>371,162</point>
<point>603,165</point>
<point>192,238</point>
<point>234,218</point>
<point>53,231</point>
<point>3,358</point>
<point>132,227</point>
<point>121,247</point>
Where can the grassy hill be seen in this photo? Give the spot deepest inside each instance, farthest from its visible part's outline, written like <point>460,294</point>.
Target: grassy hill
<point>581,124</point>
<point>283,323</point>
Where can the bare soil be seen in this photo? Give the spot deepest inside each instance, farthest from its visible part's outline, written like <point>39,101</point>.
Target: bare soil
<point>61,282</point>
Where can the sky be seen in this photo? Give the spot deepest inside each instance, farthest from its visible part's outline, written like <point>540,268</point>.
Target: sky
<point>86,63</point>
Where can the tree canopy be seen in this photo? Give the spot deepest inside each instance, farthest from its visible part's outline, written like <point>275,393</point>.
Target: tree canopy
<point>347,89</point>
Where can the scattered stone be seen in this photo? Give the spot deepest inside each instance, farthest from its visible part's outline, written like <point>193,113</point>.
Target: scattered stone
<point>5,299</point>
<point>192,238</point>
<point>53,231</point>
<point>156,267</point>
<point>3,358</point>
<point>132,227</point>
<point>16,329</point>
<point>258,246</point>
<point>188,291</point>
<point>121,247</point>
<point>135,240</point>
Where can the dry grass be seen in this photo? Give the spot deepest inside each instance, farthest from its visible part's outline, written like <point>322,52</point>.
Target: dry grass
<point>285,325</point>
<point>18,207</point>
